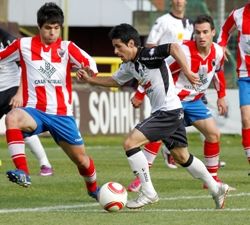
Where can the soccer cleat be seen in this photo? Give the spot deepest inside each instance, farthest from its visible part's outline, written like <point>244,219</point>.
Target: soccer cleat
<point>135,185</point>
<point>222,164</point>
<point>46,171</point>
<point>94,194</point>
<point>141,201</point>
<point>220,197</point>
<point>19,177</point>
<point>169,160</point>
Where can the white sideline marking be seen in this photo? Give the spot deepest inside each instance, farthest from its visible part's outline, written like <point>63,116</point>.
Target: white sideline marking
<point>88,205</point>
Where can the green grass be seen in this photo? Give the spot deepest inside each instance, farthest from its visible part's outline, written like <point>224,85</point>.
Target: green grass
<point>62,199</point>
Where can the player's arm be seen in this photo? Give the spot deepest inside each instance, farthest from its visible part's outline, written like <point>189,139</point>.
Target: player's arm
<point>80,59</point>
<point>179,56</point>
<point>155,34</point>
<point>138,97</point>
<point>17,99</point>
<point>219,82</point>
<point>11,52</point>
<point>226,30</point>
<point>85,75</point>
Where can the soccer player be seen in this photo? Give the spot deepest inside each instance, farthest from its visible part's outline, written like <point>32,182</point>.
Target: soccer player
<point>239,20</point>
<point>10,97</point>
<point>205,58</point>
<point>147,65</point>
<point>46,62</point>
<point>169,28</point>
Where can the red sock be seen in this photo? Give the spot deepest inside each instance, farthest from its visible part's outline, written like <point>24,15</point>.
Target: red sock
<point>211,154</point>
<point>89,175</point>
<point>17,149</point>
<point>246,142</point>
<point>150,151</point>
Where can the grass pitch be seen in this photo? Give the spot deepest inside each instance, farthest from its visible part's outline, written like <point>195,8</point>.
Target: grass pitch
<point>62,198</point>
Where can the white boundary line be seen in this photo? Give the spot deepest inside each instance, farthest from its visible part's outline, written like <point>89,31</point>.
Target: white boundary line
<point>86,206</point>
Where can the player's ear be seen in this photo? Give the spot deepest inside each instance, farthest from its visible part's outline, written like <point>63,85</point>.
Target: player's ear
<point>131,43</point>
<point>213,32</point>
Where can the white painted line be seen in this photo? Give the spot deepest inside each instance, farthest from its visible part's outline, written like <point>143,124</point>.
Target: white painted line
<point>86,206</point>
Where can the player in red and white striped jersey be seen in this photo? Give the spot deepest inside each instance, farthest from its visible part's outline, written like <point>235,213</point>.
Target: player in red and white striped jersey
<point>46,62</point>
<point>11,97</point>
<point>239,19</point>
<point>206,59</point>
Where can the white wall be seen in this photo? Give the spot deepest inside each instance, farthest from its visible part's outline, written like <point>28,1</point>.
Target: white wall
<point>80,12</point>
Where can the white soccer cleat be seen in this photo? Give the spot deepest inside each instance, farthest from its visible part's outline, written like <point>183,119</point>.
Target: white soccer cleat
<point>220,197</point>
<point>222,164</point>
<point>141,201</point>
<point>169,160</point>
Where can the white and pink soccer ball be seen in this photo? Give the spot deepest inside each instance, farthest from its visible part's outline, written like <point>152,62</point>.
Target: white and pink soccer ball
<point>113,196</point>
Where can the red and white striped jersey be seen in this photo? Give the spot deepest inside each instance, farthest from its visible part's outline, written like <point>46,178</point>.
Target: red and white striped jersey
<point>239,19</point>
<point>209,68</point>
<point>46,72</point>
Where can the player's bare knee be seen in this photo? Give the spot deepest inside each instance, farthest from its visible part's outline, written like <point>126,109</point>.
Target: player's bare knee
<point>245,123</point>
<point>213,137</point>
<point>127,144</point>
<point>180,155</point>
<point>11,119</point>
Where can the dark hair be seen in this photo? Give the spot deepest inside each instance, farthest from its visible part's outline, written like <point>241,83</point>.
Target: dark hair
<point>125,32</point>
<point>50,13</point>
<point>204,19</point>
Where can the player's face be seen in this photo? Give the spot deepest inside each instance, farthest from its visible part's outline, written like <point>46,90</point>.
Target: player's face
<point>203,35</point>
<point>124,51</point>
<point>50,33</point>
<point>179,5</point>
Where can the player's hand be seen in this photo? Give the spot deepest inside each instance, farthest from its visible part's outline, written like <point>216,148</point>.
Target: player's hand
<point>16,101</point>
<point>222,107</point>
<point>136,102</point>
<point>226,53</point>
<point>85,73</point>
<point>194,79</point>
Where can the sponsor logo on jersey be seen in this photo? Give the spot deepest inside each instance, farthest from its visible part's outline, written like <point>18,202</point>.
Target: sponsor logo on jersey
<point>47,70</point>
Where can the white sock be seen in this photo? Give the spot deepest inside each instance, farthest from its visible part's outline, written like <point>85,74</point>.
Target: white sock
<point>149,156</point>
<point>198,170</point>
<point>37,149</point>
<point>139,166</point>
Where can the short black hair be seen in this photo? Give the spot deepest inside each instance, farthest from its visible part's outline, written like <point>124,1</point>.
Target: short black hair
<point>204,19</point>
<point>50,13</point>
<point>125,32</point>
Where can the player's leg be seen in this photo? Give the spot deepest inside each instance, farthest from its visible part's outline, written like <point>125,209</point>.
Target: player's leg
<point>18,120</point>
<point>5,107</point>
<point>245,117</point>
<point>35,146</point>
<point>211,148</point>
<point>198,115</point>
<point>84,164</point>
<point>198,170</point>
<point>72,143</point>
<point>139,165</point>
<point>159,126</point>
<point>150,151</point>
<point>244,98</point>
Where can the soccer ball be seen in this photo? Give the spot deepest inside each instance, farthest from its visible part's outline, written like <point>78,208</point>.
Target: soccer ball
<point>112,196</point>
